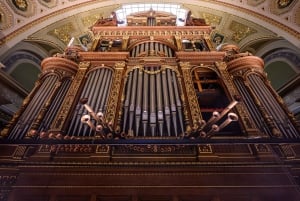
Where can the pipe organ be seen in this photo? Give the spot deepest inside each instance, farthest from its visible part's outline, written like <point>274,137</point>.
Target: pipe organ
<point>161,88</point>
<point>148,105</point>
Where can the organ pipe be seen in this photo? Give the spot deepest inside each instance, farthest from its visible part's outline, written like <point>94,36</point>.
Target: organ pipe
<point>49,117</point>
<point>158,92</point>
<point>34,107</point>
<point>96,90</point>
<point>252,107</point>
<point>275,111</point>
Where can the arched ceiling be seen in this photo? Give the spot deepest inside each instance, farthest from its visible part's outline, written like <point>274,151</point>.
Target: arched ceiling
<point>247,23</point>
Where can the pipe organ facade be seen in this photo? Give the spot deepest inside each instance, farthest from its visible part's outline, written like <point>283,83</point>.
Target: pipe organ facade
<point>151,112</point>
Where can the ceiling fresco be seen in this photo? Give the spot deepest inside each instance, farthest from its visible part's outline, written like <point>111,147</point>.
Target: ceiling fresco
<point>238,21</point>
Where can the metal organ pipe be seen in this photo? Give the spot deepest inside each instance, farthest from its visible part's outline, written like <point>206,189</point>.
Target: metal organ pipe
<point>172,100</point>
<point>280,118</point>
<point>160,116</point>
<point>166,102</point>
<point>156,92</point>
<point>96,89</point>
<point>256,115</point>
<point>49,117</point>
<point>178,101</point>
<point>33,108</point>
<point>152,104</point>
<point>145,104</point>
<point>79,109</point>
<point>132,101</point>
<point>138,110</point>
<point>127,99</point>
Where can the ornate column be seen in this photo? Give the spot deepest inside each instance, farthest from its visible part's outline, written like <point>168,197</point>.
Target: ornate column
<point>193,109</point>
<point>113,110</point>
<point>64,69</point>
<point>266,109</point>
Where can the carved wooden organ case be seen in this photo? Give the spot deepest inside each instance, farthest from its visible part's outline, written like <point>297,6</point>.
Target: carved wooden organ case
<point>152,80</point>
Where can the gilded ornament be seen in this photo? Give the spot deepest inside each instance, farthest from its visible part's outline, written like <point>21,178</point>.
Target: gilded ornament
<point>240,30</point>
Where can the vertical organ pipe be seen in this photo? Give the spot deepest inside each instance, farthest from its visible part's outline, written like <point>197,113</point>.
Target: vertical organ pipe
<point>160,116</point>
<point>138,101</point>
<point>280,117</point>
<point>33,108</point>
<point>172,101</point>
<point>132,100</point>
<point>166,102</point>
<point>248,100</point>
<point>178,101</point>
<point>96,89</point>
<point>127,99</point>
<point>49,117</point>
<point>145,104</point>
<point>152,104</point>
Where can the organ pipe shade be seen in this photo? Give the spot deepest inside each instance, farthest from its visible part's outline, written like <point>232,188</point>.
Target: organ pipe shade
<point>152,105</point>
<point>26,119</point>
<point>96,89</point>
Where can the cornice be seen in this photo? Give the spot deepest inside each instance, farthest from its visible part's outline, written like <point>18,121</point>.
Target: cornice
<point>103,56</point>
<point>59,63</point>
<point>245,62</point>
<point>201,57</point>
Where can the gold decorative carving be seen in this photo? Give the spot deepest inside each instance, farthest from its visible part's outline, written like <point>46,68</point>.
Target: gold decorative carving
<point>91,19</point>
<point>212,19</point>
<point>63,33</point>
<point>112,107</point>
<point>240,30</point>
<point>153,149</point>
<point>194,108</point>
<point>279,7</point>
<point>262,148</point>
<point>205,149</point>
<point>67,148</point>
<point>24,8</point>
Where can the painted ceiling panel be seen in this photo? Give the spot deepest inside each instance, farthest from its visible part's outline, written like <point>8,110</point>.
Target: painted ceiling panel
<point>30,17</point>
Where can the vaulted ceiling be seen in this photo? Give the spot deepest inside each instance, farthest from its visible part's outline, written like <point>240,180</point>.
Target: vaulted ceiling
<point>248,23</point>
